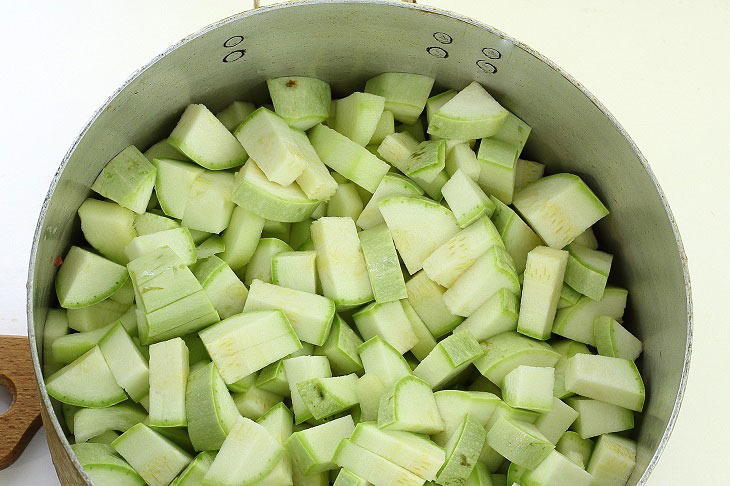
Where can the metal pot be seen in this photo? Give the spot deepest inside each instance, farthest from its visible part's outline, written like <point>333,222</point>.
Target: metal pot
<point>345,42</point>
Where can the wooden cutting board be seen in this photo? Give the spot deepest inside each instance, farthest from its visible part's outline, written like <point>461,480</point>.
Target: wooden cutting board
<point>21,421</point>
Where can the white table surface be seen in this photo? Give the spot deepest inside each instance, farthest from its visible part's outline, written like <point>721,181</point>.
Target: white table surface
<point>660,66</point>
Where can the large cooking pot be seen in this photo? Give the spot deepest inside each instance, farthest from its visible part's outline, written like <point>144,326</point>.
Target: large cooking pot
<point>344,42</point>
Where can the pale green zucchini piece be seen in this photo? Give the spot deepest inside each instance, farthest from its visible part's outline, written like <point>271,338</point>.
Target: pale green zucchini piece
<point>426,297</point>
<point>385,126</point>
<point>505,352</point>
<point>147,223</point>
<point>209,206</point>
<point>386,278</point>
<point>369,389</point>
<point>87,382</point>
<point>435,102</point>
<point>91,422</point>
<point>325,397</point>
<point>270,142</point>
<point>155,458</point>
<point>211,412</point>
<point>68,348</point>
<point>612,339</point>
<point>497,163</point>
<point>205,140</point>
<point>372,467</point>
<point>613,460</point>
<point>388,321</point>
<point>173,183</point>
<point>255,402</point>
<point>554,423</point>
<point>568,296</point>
<point>576,322</point>
<point>129,367</point>
<point>447,262</point>
<point>300,233</point>
<point>315,180</point>
<point>490,272</point>
<point>426,162</point>
<point>559,208</point>
<point>413,452</point>
<point>245,343</point>
<point>178,239</point>
<point>461,156</point>
<point>127,179</point>
<point>232,115</point>
<point>497,315</point>
<point>295,270</point>
<point>530,388</point>
<point>163,150</point>
<point>587,270</point>
<point>248,454</point>
<point>85,279</point>
<point>189,314</point>
<point>557,469</point>
<point>211,246</point>
<point>56,327</point>
<point>418,227</point>
<point>224,289</point>
<point>567,349</point>
<point>480,476</point>
<point>396,148</point>
<point>310,315</point>
<point>597,418</point>
<point>269,199</point>
<point>383,360</point>
<point>426,341</point>
<point>312,450</point>
<point>391,185</point>
<point>544,274</point>
<point>405,94</point>
<point>462,452</point>
<point>259,267</point>
<point>345,202</point>
<point>472,113</point>
<point>397,412</point>
<point>299,479</point>
<point>347,158</point>
<point>108,227</point>
<point>97,315</point>
<point>518,237</point>
<point>348,478</point>
<point>169,367</point>
<point>273,379</point>
<point>514,131</point>
<point>612,380</point>
<point>241,237</point>
<point>276,229</point>
<point>519,442</point>
<point>466,199</point>
<point>527,171</point>
<point>455,405</point>
<point>450,357</point>
<point>340,262</point>
<point>303,368</point>
<point>104,467</point>
<point>587,238</point>
<point>301,101</point>
<point>195,472</point>
<point>358,115</point>
<point>340,348</point>
<point>575,448</point>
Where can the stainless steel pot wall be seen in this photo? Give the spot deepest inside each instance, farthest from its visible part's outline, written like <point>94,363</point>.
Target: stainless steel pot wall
<point>345,43</point>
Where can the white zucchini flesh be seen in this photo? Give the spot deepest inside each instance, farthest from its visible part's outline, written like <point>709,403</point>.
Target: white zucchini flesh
<point>557,469</point>
<point>472,113</point>
<point>204,139</point>
<point>497,315</point>
<point>85,279</point>
<point>389,321</point>
<point>178,239</point>
<point>405,94</point>
<point>559,208</point>
<point>301,101</point>
<point>241,237</point>
<point>613,459</point>
<point>173,183</point>
<point>108,227</point>
<point>576,322</point>
<point>612,380</point>
<point>127,179</point>
<point>391,185</point>
<point>426,297</point>
<point>358,115</point>
<point>462,452</point>
<point>596,418</point>
<point>372,467</point>
<point>129,367</point>
<point>407,218</point>
<point>169,368</point>
<point>383,360</point>
<point>232,115</point>
<point>612,339</point>
<point>556,422</point>
<point>544,274</point>
<point>519,442</point>
<point>505,352</point>
<point>466,199</point>
<point>300,369</point>
<point>396,411</point>
<point>209,205</point>
<point>386,277</point>
<point>313,450</point>
<point>530,388</point>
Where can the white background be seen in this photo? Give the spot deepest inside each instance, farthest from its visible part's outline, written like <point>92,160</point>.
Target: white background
<point>661,67</point>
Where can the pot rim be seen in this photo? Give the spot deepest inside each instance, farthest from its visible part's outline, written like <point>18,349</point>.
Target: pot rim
<point>423,8</point>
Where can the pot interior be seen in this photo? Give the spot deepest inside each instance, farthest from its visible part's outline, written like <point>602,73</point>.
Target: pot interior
<point>345,43</point>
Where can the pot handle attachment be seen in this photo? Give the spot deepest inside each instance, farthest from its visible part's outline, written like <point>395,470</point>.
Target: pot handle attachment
<point>264,3</point>
<point>21,421</point>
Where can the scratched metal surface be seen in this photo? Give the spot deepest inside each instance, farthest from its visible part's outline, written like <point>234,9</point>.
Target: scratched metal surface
<point>345,43</point>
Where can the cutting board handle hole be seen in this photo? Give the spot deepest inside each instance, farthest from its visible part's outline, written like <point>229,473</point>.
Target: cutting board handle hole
<point>7,394</point>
